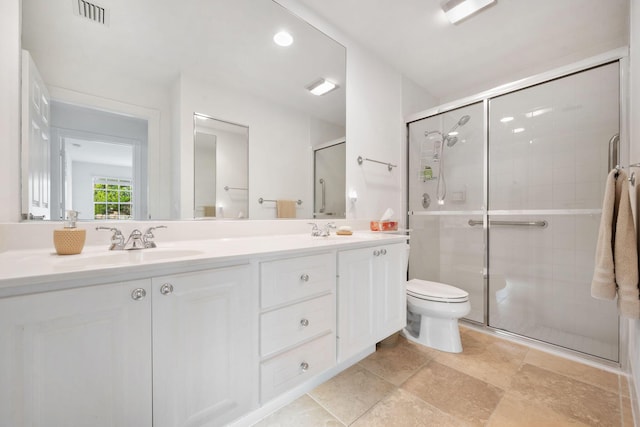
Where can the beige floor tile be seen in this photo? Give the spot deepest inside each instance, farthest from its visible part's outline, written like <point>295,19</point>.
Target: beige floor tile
<point>572,398</point>
<point>396,364</point>
<point>351,393</point>
<point>302,412</point>
<point>401,408</point>
<point>455,393</point>
<point>579,371</point>
<point>515,412</point>
<point>627,413</point>
<point>486,357</point>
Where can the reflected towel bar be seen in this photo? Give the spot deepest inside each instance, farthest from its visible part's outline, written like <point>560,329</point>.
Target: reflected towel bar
<point>364,159</point>
<point>227,188</point>
<point>260,200</point>
<point>473,222</point>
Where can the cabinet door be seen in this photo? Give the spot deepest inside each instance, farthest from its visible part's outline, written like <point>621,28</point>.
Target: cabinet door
<point>78,357</point>
<point>390,288</point>
<point>356,304</point>
<point>205,358</point>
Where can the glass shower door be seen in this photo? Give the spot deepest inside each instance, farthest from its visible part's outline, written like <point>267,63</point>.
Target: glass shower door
<point>446,170</point>
<point>547,168</point>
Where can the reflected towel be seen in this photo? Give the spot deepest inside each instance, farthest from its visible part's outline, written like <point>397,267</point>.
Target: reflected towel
<point>286,208</point>
<point>616,269</point>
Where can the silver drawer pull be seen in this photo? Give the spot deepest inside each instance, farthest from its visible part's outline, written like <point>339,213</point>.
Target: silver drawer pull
<point>304,366</point>
<point>304,323</point>
<point>138,294</point>
<point>304,277</point>
<point>383,251</point>
<point>376,253</point>
<point>166,289</point>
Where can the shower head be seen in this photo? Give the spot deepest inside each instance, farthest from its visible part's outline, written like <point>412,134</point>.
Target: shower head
<point>463,120</point>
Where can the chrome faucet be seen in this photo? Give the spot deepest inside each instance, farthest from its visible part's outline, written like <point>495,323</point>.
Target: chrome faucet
<point>325,232</point>
<point>117,239</point>
<point>136,239</point>
<point>148,236</point>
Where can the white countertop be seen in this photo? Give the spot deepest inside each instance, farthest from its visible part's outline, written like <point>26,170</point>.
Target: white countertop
<point>28,271</point>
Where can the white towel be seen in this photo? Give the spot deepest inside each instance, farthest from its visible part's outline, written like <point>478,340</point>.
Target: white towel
<point>616,269</point>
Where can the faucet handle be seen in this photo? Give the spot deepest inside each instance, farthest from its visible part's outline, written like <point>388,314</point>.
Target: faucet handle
<point>117,239</point>
<point>148,236</point>
<point>315,231</point>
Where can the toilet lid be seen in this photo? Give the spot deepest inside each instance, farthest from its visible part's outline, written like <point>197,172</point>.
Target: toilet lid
<point>434,291</point>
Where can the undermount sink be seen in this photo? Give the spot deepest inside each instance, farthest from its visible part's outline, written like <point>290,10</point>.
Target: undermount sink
<point>129,257</point>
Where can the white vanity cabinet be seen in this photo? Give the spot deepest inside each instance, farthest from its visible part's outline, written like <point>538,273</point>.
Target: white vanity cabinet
<point>205,366</point>
<point>78,357</point>
<point>297,321</point>
<point>371,296</point>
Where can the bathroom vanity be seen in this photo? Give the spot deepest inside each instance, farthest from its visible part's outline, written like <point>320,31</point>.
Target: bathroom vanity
<point>199,333</point>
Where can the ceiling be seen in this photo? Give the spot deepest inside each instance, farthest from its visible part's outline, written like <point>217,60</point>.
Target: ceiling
<point>507,41</point>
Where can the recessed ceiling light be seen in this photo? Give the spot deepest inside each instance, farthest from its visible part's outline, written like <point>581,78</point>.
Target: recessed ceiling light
<point>283,39</point>
<point>457,10</point>
<point>506,119</point>
<point>518,130</point>
<point>322,87</point>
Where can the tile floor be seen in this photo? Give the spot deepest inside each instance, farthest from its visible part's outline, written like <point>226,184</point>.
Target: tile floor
<point>494,382</point>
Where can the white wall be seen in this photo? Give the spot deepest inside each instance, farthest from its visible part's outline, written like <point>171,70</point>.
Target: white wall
<point>634,132</point>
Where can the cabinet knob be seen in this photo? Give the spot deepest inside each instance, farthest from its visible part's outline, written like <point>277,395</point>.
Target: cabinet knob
<point>383,251</point>
<point>138,294</point>
<point>166,289</point>
<point>304,277</point>
<point>304,366</point>
<point>304,323</point>
<point>376,252</point>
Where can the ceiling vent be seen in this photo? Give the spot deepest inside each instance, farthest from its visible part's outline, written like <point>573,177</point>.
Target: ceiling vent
<point>91,11</point>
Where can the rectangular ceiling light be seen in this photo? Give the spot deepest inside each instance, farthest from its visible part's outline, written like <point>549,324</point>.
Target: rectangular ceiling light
<point>322,87</point>
<point>457,10</point>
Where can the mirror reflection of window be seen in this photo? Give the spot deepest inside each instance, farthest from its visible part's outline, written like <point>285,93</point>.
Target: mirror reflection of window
<point>92,147</point>
<point>221,176</point>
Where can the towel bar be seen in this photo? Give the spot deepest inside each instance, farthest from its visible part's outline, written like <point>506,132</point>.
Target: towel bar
<point>260,200</point>
<point>543,223</point>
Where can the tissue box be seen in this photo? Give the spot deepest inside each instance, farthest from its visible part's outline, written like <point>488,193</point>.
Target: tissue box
<point>383,225</point>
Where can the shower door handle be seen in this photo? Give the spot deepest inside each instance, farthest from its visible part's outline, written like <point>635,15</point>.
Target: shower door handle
<point>323,207</point>
<point>543,223</point>
<point>614,151</point>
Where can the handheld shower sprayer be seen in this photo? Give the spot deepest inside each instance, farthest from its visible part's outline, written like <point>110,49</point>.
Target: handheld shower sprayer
<point>450,140</point>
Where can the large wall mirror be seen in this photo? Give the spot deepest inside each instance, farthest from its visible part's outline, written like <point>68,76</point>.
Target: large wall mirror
<point>112,89</point>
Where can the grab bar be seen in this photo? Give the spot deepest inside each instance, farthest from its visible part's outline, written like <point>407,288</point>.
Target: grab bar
<point>473,222</point>
<point>614,151</point>
<point>322,208</point>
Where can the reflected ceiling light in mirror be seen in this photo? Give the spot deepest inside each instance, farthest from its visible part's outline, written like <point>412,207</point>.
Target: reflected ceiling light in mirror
<point>454,133</point>
<point>518,130</point>
<point>506,119</point>
<point>322,87</point>
<point>457,10</point>
<point>283,39</point>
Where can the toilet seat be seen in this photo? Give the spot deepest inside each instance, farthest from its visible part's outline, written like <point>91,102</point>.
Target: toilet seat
<point>434,291</point>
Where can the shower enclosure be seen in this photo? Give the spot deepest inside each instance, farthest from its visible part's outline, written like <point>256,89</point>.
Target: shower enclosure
<point>505,194</point>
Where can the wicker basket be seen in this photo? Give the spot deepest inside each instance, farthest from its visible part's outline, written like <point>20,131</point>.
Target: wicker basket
<point>69,241</point>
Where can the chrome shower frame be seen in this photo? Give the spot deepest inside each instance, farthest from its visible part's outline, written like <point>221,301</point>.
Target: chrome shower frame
<point>620,56</point>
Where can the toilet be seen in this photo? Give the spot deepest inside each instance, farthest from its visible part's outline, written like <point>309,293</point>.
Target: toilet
<point>433,310</point>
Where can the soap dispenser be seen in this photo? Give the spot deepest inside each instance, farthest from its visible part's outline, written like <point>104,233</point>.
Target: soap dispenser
<point>69,240</point>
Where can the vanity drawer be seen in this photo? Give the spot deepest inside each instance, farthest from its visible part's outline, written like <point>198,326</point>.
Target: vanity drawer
<point>296,278</point>
<point>296,366</point>
<point>288,326</point>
